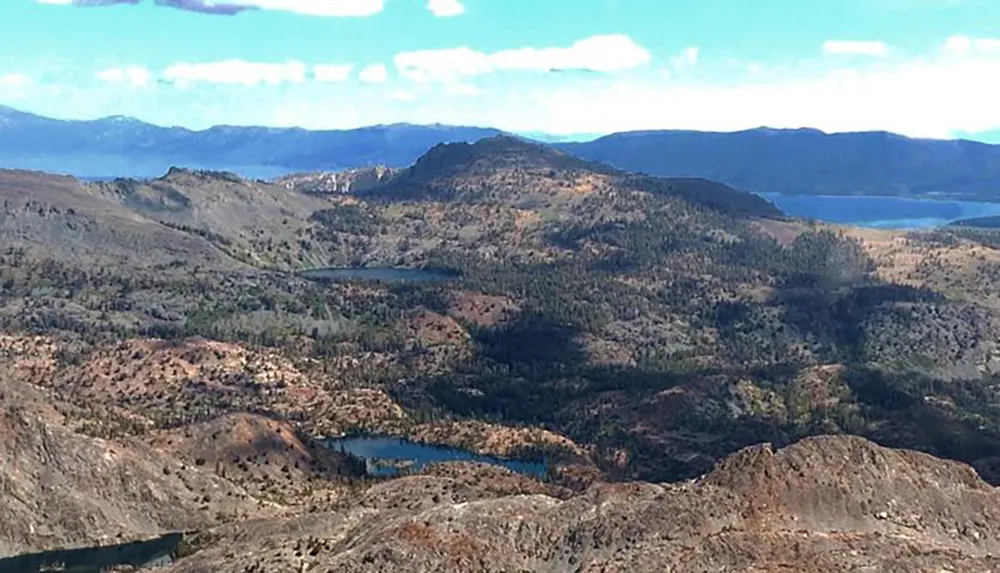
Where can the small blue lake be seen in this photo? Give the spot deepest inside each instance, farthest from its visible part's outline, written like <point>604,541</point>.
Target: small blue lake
<point>881,212</point>
<point>385,456</point>
<point>149,554</point>
<point>380,274</point>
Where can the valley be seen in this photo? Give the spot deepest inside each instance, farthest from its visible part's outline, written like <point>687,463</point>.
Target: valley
<point>471,286</point>
<point>182,349</point>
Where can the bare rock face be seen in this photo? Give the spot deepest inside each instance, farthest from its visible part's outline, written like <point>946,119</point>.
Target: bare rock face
<point>842,483</point>
<point>824,504</point>
<point>59,488</point>
<point>267,458</point>
<point>356,180</point>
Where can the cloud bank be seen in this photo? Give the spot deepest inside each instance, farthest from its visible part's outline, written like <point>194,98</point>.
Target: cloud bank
<point>445,8</point>
<point>373,74</point>
<point>601,53</point>
<point>855,48</point>
<point>236,72</point>
<point>134,75</point>
<point>947,89</point>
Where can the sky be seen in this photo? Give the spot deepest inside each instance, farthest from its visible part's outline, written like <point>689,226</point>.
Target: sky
<point>923,68</point>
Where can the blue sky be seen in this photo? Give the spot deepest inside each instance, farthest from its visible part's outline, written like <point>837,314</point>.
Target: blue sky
<point>919,67</point>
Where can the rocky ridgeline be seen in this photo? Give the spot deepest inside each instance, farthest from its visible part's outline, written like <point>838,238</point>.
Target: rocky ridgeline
<point>824,504</point>
<point>348,181</point>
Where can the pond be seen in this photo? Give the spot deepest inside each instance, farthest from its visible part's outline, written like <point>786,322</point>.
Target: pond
<point>881,212</point>
<point>139,554</point>
<point>382,274</point>
<point>385,456</point>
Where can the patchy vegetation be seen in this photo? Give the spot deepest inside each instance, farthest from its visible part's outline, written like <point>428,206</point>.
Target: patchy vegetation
<point>625,326</point>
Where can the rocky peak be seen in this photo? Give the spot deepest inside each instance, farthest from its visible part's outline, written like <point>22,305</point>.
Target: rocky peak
<point>176,173</point>
<point>495,153</point>
<point>838,483</point>
<point>346,181</point>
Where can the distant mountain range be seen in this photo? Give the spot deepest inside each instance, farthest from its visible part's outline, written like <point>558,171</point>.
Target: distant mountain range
<point>809,161</point>
<point>992,136</point>
<point>789,161</point>
<point>123,146</point>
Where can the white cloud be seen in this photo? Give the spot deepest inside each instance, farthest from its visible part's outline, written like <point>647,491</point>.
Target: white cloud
<point>135,75</point>
<point>602,53</point>
<point>445,8</point>
<point>400,95</point>
<point>14,80</point>
<point>934,94</point>
<point>237,72</point>
<point>855,48</point>
<point>949,88</point>
<point>332,72</point>
<point>964,46</point>
<point>929,97</point>
<point>442,65</point>
<point>15,86</point>
<point>610,53</point>
<point>461,89</point>
<point>687,57</point>
<point>373,74</point>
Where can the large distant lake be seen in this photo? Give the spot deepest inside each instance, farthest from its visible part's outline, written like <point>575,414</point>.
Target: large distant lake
<point>386,456</point>
<point>881,212</point>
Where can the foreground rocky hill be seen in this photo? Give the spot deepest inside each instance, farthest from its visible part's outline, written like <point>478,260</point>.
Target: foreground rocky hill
<point>63,488</point>
<point>824,504</point>
<point>829,503</point>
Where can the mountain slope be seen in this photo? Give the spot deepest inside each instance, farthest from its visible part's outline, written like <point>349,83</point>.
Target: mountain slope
<point>256,222</point>
<point>61,218</point>
<point>807,161</point>
<point>658,324</point>
<point>625,327</point>
<point>507,170</point>
<point>650,307</point>
<point>646,327</point>
<point>65,488</point>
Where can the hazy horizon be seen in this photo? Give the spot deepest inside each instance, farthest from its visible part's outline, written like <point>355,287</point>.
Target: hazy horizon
<point>990,137</point>
<point>520,65</point>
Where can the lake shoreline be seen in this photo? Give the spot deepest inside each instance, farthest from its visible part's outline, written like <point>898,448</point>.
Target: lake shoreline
<point>883,211</point>
<point>388,456</point>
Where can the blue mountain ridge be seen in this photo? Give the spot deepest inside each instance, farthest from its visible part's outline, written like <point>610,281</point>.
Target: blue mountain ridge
<point>766,160</point>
